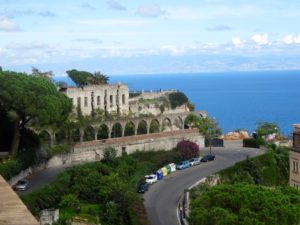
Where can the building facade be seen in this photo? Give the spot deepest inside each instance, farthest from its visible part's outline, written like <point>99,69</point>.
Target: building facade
<point>112,98</point>
<point>295,158</point>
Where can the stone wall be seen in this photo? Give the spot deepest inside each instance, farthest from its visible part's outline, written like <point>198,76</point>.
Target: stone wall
<point>152,94</point>
<point>154,109</point>
<point>112,98</point>
<point>93,150</point>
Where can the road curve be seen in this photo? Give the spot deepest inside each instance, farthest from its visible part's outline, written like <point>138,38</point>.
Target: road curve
<point>162,198</point>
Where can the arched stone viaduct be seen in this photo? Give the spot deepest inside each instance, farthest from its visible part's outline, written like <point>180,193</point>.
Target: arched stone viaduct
<point>143,125</point>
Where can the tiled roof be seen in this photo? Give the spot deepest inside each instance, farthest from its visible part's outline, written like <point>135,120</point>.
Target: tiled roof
<point>12,209</point>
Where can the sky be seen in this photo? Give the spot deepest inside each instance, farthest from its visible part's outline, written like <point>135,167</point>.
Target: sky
<point>149,36</point>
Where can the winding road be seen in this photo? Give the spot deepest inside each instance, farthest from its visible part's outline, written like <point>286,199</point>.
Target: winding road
<point>162,198</point>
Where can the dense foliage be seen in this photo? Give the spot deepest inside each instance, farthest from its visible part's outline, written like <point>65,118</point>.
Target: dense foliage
<point>187,150</point>
<point>13,165</point>
<point>253,142</point>
<point>31,99</point>
<point>104,191</point>
<point>82,78</point>
<point>209,128</point>
<point>265,128</point>
<point>177,99</point>
<point>270,169</point>
<point>245,204</point>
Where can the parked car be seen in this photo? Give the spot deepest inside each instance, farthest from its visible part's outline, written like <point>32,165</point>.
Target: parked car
<point>143,187</point>
<point>195,161</point>
<point>22,185</point>
<point>209,157</point>
<point>150,179</point>
<point>183,165</point>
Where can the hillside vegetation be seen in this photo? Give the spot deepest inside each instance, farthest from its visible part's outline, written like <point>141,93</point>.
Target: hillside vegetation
<point>254,192</point>
<point>246,204</point>
<point>102,191</point>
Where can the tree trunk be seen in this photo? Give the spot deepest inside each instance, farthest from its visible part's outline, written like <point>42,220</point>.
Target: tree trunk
<point>16,138</point>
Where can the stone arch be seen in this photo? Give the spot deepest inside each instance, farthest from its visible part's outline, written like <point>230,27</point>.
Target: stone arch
<point>89,134</point>
<point>178,123</point>
<point>116,130</point>
<point>142,127</point>
<point>166,124</point>
<point>45,137</point>
<point>60,136</point>
<point>154,126</point>
<point>75,135</point>
<point>129,129</point>
<point>103,132</point>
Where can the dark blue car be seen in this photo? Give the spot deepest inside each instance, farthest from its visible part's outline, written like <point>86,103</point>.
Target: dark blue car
<point>143,187</point>
<point>209,157</point>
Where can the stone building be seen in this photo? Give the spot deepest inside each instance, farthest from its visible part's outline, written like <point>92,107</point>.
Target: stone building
<point>295,158</point>
<point>113,98</point>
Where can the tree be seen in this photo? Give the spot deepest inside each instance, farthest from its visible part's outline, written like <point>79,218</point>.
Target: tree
<point>187,150</point>
<point>36,72</point>
<point>31,99</point>
<point>243,204</point>
<point>191,120</point>
<point>209,128</point>
<point>266,128</point>
<point>82,78</point>
<point>177,99</point>
<point>99,78</point>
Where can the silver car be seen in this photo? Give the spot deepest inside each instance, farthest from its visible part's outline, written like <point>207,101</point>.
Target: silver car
<point>22,185</point>
<point>195,161</point>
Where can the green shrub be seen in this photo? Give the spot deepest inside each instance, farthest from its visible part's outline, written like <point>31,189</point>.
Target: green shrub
<point>241,204</point>
<point>177,99</point>
<point>271,169</point>
<point>69,201</point>
<point>253,142</point>
<point>9,168</point>
<point>58,149</point>
<point>132,95</point>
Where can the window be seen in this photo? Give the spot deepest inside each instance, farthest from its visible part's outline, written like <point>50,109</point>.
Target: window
<point>296,186</point>
<point>295,166</point>
<point>72,101</point>
<point>85,101</point>
<point>79,102</point>
<point>111,100</point>
<point>98,100</point>
<point>124,151</point>
<point>123,99</point>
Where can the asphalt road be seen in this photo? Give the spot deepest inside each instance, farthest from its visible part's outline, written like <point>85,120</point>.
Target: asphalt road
<point>42,178</point>
<point>162,198</point>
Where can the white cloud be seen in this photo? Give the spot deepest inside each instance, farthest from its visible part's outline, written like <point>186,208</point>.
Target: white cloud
<point>8,25</point>
<point>219,28</point>
<point>112,4</point>
<point>212,11</point>
<point>236,41</point>
<point>87,6</point>
<point>150,11</point>
<point>291,39</point>
<point>173,50</point>
<point>260,39</point>
<point>112,22</point>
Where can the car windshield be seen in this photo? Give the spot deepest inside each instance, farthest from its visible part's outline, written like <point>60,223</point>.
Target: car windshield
<point>21,182</point>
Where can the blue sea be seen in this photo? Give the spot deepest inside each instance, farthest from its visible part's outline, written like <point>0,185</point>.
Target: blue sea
<point>236,99</point>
